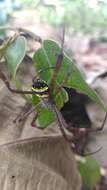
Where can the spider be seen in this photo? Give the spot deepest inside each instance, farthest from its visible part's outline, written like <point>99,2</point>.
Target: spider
<point>42,90</point>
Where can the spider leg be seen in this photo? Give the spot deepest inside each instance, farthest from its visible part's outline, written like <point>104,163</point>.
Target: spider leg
<point>33,121</point>
<point>75,130</point>
<point>62,123</point>
<point>91,153</point>
<point>96,130</point>
<point>80,141</point>
<point>102,126</point>
<point>21,117</point>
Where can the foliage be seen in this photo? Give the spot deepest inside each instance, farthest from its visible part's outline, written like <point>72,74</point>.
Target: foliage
<point>14,50</point>
<point>68,70</point>
<point>45,57</point>
<point>89,170</point>
<point>14,59</point>
<point>45,117</point>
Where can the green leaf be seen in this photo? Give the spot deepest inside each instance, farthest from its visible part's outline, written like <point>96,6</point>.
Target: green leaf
<point>35,99</point>
<point>90,171</point>
<point>14,54</point>
<point>61,98</point>
<point>76,81</point>
<point>46,57</point>
<point>45,118</point>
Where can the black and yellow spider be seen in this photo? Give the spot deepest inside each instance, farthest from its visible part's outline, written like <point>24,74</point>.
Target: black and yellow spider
<point>45,93</point>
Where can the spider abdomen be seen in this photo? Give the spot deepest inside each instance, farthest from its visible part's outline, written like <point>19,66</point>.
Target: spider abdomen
<point>40,88</point>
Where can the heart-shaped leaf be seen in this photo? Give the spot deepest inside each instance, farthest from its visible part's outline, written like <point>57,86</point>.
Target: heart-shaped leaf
<point>90,172</point>
<point>46,57</point>
<point>45,117</point>
<point>14,54</point>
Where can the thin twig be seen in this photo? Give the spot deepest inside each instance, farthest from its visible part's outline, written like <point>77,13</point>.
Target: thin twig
<point>4,79</point>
